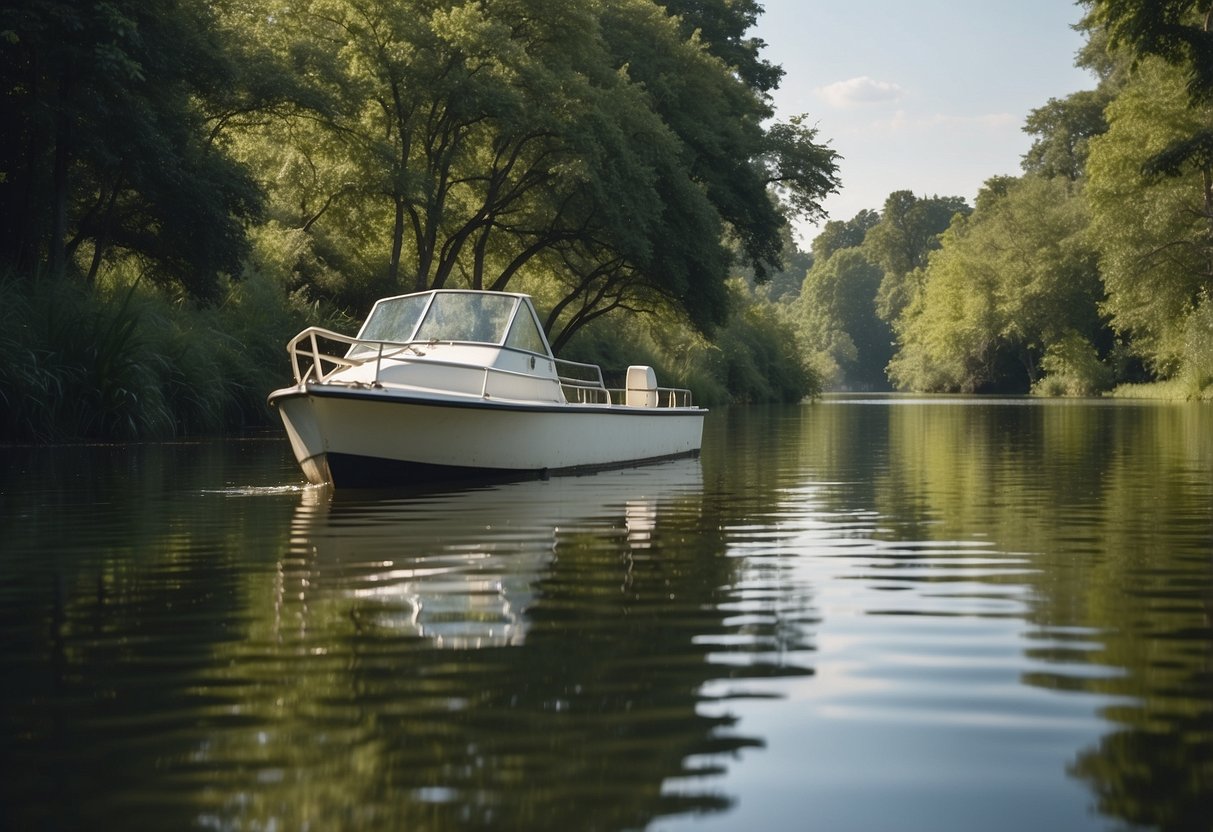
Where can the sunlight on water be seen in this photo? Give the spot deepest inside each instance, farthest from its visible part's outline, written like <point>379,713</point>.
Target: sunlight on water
<point>265,490</point>
<point>854,615</point>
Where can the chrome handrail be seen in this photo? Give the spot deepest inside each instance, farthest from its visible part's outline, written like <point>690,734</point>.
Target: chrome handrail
<point>316,369</point>
<point>589,390</point>
<point>674,396</point>
<point>592,390</point>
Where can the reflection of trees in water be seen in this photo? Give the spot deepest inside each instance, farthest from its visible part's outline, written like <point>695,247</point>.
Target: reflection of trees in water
<point>584,719</point>
<point>1157,774</point>
<point>1156,768</point>
<point>530,656</point>
<point>524,657</point>
<point>119,583</point>
<point>453,661</point>
<point>1112,505</point>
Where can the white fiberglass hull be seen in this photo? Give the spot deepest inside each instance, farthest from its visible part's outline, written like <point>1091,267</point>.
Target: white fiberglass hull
<point>363,437</point>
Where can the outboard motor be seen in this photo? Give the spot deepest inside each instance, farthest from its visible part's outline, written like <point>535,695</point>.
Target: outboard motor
<point>641,387</point>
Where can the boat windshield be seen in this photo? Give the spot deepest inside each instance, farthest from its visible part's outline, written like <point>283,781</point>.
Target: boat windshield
<point>394,319</point>
<point>459,316</point>
<point>524,334</point>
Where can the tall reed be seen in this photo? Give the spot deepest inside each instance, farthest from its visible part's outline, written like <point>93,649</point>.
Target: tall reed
<point>125,361</point>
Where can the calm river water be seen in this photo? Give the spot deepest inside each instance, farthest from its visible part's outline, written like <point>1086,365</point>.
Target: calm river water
<point>859,614</point>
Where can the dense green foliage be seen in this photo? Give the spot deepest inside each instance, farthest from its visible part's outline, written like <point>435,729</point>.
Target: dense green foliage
<point>847,342</point>
<point>611,159</point>
<point>751,359</point>
<point>1089,271</point>
<point>184,172</point>
<point>1155,224</point>
<point>109,146</point>
<point>123,361</point>
<point>1010,284</point>
<point>865,272</point>
<point>598,156</point>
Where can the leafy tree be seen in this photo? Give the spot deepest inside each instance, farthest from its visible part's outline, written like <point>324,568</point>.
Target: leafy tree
<point>1177,31</point>
<point>1151,193</point>
<point>595,153</point>
<point>900,243</point>
<point>724,26</point>
<point>1111,65</point>
<point>1010,282</point>
<point>847,341</point>
<point>838,328</point>
<point>718,121</point>
<point>838,235</point>
<point>758,357</point>
<point>782,286</point>
<point>112,113</point>
<point>1063,129</point>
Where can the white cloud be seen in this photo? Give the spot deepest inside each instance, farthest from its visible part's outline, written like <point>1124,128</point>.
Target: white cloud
<point>859,91</point>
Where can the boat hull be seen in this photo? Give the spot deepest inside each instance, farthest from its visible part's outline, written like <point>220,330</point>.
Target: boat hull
<point>367,437</point>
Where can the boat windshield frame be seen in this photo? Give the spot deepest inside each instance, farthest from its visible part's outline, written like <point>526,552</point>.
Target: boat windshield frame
<point>488,318</point>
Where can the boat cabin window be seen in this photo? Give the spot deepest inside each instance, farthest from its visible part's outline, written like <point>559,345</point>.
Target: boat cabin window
<point>524,334</point>
<point>394,319</point>
<point>455,316</point>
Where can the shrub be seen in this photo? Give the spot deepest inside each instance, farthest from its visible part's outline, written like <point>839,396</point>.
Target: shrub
<point>754,358</point>
<point>124,360</point>
<point>1196,365</point>
<point>1072,368</point>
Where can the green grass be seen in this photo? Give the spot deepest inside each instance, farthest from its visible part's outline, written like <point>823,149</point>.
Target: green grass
<point>124,360</point>
<point>1176,389</point>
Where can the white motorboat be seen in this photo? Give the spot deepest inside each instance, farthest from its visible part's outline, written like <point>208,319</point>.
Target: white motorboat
<point>461,384</point>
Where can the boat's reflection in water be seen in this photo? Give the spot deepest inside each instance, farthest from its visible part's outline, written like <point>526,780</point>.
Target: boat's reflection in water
<point>528,655</point>
<point>460,567</point>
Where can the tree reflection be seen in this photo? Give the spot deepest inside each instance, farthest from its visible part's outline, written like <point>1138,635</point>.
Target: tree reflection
<point>544,655</point>
<point>526,656</point>
<point>1112,505</point>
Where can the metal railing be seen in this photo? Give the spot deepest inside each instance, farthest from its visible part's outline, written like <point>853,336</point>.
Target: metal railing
<point>586,389</point>
<point>323,365</point>
<point>306,345</point>
<point>666,396</point>
<point>580,383</point>
<point>297,348</point>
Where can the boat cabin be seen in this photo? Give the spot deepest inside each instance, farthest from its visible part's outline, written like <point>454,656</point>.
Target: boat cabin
<point>464,343</point>
<point>457,342</point>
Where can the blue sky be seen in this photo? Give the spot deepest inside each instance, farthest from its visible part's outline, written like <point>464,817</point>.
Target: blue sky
<point>929,95</point>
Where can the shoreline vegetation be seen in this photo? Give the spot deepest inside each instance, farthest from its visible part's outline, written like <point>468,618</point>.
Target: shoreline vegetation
<point>186,184</point>
<point>125,361</point>
<point>1173,390</point>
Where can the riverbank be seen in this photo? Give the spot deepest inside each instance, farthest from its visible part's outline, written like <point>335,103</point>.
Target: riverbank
<point>130,362</point>
<point>127,360</point>
<point>1170,390</point>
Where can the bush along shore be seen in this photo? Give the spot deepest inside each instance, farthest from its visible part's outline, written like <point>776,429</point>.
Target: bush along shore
<point>126,360</point>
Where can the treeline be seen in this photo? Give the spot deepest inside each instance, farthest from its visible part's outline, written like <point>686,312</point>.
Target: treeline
<point>175,172</point>
<point>1092,271</point>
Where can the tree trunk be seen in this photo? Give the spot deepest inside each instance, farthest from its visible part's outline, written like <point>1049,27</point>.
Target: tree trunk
<point>24,215</point>
<point>479,253</point>
<point>105,229</point>
<point>56,250</point>
<point>393,266</point>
